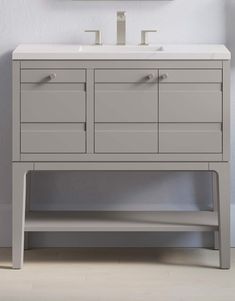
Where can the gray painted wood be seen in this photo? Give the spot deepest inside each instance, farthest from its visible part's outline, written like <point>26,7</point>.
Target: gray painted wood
<point>18,207</point>
<point>126,138</point>
<point>112,108</point>
<point>126,102</point>
<point>52,138</point>
<point>166,166</point>
<point>61,76</point>
<point>121,221</point>
<point>16,111</point>
<point>196,157</point>
<point>191,76</point>
<point>53,103</point>
<point>27,208</point>
<point>90,111</point>
<point>190,103</point>
<point>190,138</point>
<point>122,64</point>
<point>126,76</point>
<point>215,198</point>
<point>226,110</point>
<point>223,174</point>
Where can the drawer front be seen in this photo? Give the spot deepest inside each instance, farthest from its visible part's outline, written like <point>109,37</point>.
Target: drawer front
<point>190,76</point>
<point>53,103</point>
<point>52,138</point>
<point>126,138</point>
<point>59,76</point>
<point>126,103</point>
<point>126,76</point>
<point>190,103</point>
<point>190,138</point>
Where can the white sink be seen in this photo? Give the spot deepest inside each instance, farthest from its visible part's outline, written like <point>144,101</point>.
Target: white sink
<point>120,49</point>
<point>114,52</point>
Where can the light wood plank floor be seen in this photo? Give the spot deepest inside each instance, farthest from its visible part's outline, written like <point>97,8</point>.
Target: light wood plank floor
<point>120,274</point>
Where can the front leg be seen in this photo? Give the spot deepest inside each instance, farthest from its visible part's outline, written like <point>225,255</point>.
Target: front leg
<point>18,206</point>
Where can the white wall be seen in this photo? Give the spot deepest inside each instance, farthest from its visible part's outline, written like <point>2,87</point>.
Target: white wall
<point>64,21</point>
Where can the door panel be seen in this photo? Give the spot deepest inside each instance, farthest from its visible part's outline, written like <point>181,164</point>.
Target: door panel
<point>53,103</point>
<point>52,138</point>
<point>60,76</point>
<point>126,138</point>
<point>190,103</point>
<point>126,103</point>
<point>190,138</point>
<point>126,75</point>
<point>190,76</point>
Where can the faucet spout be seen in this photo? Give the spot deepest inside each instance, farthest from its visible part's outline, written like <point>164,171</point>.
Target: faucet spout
<point>121,28</point>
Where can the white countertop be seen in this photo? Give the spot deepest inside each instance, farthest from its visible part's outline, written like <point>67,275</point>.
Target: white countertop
<point>113,52</point>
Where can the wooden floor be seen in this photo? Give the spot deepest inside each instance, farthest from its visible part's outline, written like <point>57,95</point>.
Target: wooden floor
<point>120,274</point>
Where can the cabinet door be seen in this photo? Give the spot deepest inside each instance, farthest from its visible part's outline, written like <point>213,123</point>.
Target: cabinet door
<point>53,113</point>
<point>190,111</point>
<point>126,111</point>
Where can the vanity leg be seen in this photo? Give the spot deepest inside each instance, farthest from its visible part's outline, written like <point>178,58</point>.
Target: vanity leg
<point>18,206</point>
<point>215,206</point>
<point>28,195</point>
<point>222,170</point>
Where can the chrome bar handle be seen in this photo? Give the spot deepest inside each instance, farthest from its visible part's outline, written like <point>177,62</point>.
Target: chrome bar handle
<point>98,36</point>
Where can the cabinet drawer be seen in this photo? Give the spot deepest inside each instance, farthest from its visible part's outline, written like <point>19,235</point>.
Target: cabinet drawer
<point>126,103</point>
<point>53,103</point>
<point>125,75</point>
<point>190,138</point>
<point>52,138</point>
<point>126,138</point>
<point>60,76</point>
<point>190,103</point>
<point>191,76</point>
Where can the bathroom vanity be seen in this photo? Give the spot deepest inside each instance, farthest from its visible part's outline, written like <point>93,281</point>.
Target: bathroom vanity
<point>142,108</point>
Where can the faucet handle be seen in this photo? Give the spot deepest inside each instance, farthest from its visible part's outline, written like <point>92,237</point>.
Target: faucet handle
<point>144,36</point>
<point>98,39</point>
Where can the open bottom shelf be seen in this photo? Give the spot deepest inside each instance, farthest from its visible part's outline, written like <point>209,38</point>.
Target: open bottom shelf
<point>61,221</point>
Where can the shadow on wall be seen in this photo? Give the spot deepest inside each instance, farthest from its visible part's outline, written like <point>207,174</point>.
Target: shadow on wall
<point>5,125</point>
<point>230,25</point>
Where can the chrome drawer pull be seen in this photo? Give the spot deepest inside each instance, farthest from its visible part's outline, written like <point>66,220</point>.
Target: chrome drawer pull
<point>163,76</point>
<point>149,77</point>
<point>52,76</point>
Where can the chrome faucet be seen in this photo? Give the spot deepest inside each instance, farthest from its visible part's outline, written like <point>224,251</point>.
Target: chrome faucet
<point>121,28</point>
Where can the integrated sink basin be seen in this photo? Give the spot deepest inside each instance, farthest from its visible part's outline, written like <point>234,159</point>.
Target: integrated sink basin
<point>120,49</point>
<point>117,52</point>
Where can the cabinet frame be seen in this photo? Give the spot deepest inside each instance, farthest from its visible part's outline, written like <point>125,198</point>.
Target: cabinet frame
<point>90,67</point>
<point>217,164</point>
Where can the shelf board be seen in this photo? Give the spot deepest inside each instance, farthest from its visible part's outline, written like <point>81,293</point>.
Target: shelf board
<point>124,221</point>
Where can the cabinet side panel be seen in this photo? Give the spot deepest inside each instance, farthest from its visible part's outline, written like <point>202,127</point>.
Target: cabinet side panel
<point>16,111</point>
<point>226,110</point>
<point>90,108</point>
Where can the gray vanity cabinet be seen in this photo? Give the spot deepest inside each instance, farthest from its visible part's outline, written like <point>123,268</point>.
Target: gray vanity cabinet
<point>128,115</point>
<point>111,111</point>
